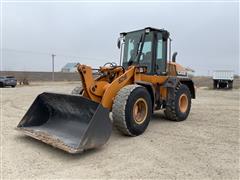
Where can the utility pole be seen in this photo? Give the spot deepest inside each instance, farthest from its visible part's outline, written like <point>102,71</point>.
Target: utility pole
<point>53,55</point>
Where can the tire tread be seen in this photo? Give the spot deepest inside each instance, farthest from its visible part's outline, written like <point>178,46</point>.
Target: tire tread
<point>170,111</point>
<point>119,106</point>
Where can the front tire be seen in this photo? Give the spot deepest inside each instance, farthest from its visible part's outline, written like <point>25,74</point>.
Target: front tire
<point>132,110</point>
<point>179,109</point>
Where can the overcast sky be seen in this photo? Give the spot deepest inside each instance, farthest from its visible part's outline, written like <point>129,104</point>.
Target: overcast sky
<point>205,35</point>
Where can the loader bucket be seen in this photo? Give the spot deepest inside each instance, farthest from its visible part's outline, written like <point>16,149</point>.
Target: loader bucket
<point>69,122</point>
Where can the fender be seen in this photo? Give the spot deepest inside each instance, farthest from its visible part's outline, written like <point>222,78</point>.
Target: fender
<point>150,89</point>
<point>190,84</point>
<point>173,81</point>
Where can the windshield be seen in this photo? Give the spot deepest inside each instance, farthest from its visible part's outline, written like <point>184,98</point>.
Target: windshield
<point>132,44</point>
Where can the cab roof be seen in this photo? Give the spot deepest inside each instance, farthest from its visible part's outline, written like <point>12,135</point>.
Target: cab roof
<point>150,29</point>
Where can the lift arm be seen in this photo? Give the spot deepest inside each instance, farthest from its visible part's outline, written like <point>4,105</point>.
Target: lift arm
<point>102,91</point>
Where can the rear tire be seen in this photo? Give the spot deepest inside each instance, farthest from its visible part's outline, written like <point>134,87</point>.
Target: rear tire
<point>215,84</point>
<point>132,110</point>
<point>78,90</point>
<point>180,108</point>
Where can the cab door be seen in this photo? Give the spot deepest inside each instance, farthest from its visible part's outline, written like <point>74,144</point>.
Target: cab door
<point>160,53</point>
<point>146,56</point>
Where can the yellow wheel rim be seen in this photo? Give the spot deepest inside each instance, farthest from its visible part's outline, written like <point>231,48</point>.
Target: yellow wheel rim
<point>140,110</point>
<point>183,103</point>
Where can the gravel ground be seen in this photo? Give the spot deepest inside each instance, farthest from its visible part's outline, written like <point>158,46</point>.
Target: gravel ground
<point>205,146</point>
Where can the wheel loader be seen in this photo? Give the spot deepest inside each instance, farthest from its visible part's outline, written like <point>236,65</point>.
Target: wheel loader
<point>147,79</point>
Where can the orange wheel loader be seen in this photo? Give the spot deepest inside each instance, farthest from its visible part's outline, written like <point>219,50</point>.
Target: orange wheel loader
<point>147,79</point>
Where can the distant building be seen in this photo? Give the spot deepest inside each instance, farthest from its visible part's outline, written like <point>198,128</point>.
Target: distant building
<point>70,67</point>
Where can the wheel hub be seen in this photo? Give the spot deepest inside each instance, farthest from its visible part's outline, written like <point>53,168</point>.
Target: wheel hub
<point>140,110</point>
<point>183,103</point>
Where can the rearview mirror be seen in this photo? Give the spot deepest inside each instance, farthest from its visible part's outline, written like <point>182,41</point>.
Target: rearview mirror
<point>119,43</point>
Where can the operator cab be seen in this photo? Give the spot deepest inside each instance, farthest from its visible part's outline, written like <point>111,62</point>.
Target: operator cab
<point>146,48</point>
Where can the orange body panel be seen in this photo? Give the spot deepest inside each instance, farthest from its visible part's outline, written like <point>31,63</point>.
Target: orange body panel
<point>103,90</point>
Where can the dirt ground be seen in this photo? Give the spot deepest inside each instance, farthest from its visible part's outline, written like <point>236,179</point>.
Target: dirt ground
<point>205,146</point>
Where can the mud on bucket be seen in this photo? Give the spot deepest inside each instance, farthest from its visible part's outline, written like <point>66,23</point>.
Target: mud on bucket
<point>71,123</point>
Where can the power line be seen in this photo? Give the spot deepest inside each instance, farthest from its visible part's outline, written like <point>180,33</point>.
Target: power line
<point>78,57</point>
<point>24,51</point>
<point>45,53</point>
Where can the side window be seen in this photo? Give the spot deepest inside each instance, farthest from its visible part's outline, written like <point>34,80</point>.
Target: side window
<point>130,50</point>
<point>146,56</point>
<point>161,54</point>
<point>159,49</point>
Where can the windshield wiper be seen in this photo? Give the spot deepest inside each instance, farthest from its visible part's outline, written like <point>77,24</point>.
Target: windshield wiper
<point>136,59</point>
<point>139,49</point>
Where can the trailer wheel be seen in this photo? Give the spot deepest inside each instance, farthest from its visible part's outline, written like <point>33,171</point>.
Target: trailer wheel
<point>230,85</point>
<point>78,90</point>
<point>215,84</point>
<point>132,109</point>
<point>180,107</point>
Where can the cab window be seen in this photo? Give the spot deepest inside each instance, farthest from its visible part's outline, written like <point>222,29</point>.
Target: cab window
<point>161,55</point>
<point>146,55</point>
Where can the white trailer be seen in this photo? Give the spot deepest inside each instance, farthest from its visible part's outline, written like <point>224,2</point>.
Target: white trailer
<point>223,79</point>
